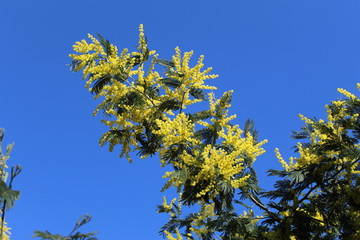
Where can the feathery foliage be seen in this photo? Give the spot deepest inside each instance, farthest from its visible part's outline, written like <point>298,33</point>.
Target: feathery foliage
<point>146,110</point>
<point>72,235</point>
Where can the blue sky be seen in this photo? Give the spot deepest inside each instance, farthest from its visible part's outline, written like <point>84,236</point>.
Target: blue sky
<point>282,58</point>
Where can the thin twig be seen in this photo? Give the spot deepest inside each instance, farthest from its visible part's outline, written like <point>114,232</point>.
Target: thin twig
<point>2,218</point>
<point>1,175</point>
<point>259,204</point>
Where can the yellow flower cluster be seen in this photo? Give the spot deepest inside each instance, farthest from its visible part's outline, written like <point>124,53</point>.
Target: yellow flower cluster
<point>346,93</point>
<point>3,166</point>
<point>215,162</point>
<point>206,213</point>
<point>6,232</point>
<point>334,132</point>
<point>189,77</point>
<point>178,130</point>
<point>167,206</point>
<point>169,236</point>
<point>142,41</point>
<point>287,166</point>
<point>88,53</point>
<point>126,77</point>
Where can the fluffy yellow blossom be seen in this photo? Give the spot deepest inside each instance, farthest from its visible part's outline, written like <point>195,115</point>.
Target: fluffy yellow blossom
<point>169,236</point>
<point>334,132</point>
<point>6,232</point>
<point>346,93</point>
<point>178,130</point>
<point>189,77</point>
<point>118,77</point>
<point>206,213</point>
<point>142,41</point>
<point>338,103</point>
<point>284,164</point>
<point>145,111</point>
<point>167,206</point>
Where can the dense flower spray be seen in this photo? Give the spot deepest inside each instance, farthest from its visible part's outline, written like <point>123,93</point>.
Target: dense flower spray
<point>147,103</point>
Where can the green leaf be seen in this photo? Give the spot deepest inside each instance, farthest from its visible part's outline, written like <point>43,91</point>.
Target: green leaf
<point>106,45</point>
<point>172,104</point>
<point>226,187</point>
<point>165,63</point>
<point>297,176</point>
<point>2,133</point>
<point>202,115</point>
<point>74,65</point>
<point>149,143</point>
<point>77,236</point>
<point>225,99</point>
<point>8,195</point>
<point>223,104</point>
<point>48,235</point>
<point>129,99</point>
<point>209,136</point>
<point>100,84</point>
<point>197,93</point>
<point>171,82</point>
<point>304,133</point>
<point>179,175</point>
<point>113,135</point>
<point>170,226</point>
<point>250,128</point>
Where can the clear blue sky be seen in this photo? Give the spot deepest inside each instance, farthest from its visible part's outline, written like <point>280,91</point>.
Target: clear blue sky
<point>282,58</point>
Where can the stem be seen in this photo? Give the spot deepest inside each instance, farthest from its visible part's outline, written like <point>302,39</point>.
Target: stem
<point>259,204</point>
<point>4,204</point>
<point>182,102</point>
<point>2,218</point>
<point>1,137</point>
<point>1,175</point>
